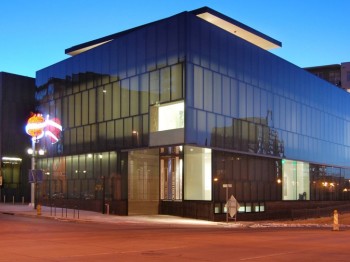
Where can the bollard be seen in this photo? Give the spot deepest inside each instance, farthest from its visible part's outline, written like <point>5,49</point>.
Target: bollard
<point>335,221</point>
<point>13,200</point>
<point>107,209</point>
<point>22,200</point>
<point>38,210</point>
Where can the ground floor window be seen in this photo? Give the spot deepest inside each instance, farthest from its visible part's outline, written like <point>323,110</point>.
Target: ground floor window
<point>295,180</point>
<point>198,173</point>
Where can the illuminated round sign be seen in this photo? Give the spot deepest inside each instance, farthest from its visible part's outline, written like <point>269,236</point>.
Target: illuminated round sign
<point>38,126</point>
<point>35,126</point>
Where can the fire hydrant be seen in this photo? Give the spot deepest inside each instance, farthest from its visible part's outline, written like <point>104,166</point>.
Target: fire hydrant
<point>335,221</point>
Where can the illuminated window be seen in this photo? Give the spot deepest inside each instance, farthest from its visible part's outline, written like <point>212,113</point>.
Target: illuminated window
<point>197,174</point>
<point>296,180</point>
<point>167,116</point>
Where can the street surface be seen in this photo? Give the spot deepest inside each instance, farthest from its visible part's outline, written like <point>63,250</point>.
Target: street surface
<point>26,238</point>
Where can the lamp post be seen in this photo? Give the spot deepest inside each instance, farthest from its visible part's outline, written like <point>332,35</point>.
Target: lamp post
<point>35,128</point>
<point>38,127</point>
<point>32,167</point>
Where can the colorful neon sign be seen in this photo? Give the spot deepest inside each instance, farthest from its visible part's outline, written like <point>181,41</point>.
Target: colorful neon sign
<point>38,127</point>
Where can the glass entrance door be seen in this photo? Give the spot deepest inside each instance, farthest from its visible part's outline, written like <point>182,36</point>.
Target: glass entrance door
<point>171,166</point>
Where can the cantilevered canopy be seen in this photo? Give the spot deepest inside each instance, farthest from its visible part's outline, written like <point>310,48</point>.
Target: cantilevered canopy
<point>234,27</point>
<point>209,15</point>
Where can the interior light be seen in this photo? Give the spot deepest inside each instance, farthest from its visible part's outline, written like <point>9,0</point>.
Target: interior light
<point>15,159</point>
<point>41,152</point>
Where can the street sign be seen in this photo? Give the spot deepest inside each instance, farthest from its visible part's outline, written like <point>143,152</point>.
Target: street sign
<point>232,206</point>
<point>226,185</point>
<point>35,176</point>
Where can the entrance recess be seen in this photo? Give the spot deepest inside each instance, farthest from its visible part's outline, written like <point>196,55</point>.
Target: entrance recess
<point>143,182</point>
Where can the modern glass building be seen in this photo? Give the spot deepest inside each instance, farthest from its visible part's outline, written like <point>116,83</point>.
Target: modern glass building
<point>157,118</point>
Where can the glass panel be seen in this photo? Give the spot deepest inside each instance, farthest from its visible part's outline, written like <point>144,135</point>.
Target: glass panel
<point>134,96</point>
<point>165,84</point>
<point>85,108</point>
<point>208,90</point>
<point>154,87</point>
<point>198,87</point>
<point>116,100</point>
<point>107,94</point>
<point>176,82</point>
<point>92,106</point>
<point>144,86</point>
<point>217,94</point>
<point>71,111</point>
<point>197,174</point>
<point>77,109</point>
<point>125,99</point>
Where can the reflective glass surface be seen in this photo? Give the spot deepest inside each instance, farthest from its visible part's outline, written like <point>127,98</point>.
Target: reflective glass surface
<point>270,106</point>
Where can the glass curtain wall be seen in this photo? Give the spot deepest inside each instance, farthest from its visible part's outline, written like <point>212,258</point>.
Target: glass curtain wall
<point>85,177</point>
<point>249,100</point>
<point>304,181</point>
<point>254,179</point>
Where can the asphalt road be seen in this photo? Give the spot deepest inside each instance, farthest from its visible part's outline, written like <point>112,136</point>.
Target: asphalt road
<point>43,239</point>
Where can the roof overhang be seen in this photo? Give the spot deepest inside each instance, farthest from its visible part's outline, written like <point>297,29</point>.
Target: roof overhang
<point>78,50</point>
<point>236,28</point>
<point>211,16</point>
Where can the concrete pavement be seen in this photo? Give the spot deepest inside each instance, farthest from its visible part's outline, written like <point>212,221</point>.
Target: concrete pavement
<point>89,216</point>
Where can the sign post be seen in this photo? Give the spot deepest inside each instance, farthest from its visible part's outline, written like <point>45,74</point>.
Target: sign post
<point>227,186</point>
<point>231,205</point>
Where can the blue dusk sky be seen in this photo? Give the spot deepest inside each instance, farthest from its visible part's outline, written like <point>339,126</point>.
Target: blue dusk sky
<point>35,33</point>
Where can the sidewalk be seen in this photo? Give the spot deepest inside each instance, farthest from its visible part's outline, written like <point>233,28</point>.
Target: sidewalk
<point>166,220</point>
<point>89,216</point>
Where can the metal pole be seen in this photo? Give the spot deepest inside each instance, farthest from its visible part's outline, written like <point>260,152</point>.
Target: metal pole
<point>32,185</point>
<point>226,204</point>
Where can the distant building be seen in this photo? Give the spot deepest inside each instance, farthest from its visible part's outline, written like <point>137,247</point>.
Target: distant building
<point>337,74</point>
<point>156,119</point>
<point>16,103</point>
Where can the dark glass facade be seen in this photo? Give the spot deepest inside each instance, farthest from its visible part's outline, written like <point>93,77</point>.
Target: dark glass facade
<point>16,103</point>
<point>244,108</point>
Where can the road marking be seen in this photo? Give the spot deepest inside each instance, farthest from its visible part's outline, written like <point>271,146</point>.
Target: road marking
<point>146,251</point>
<point>271,255</point>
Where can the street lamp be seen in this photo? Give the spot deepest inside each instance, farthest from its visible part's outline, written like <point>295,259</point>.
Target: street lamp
<point>34,128</point>
<point>36,175</point>
<point>38,127</point>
